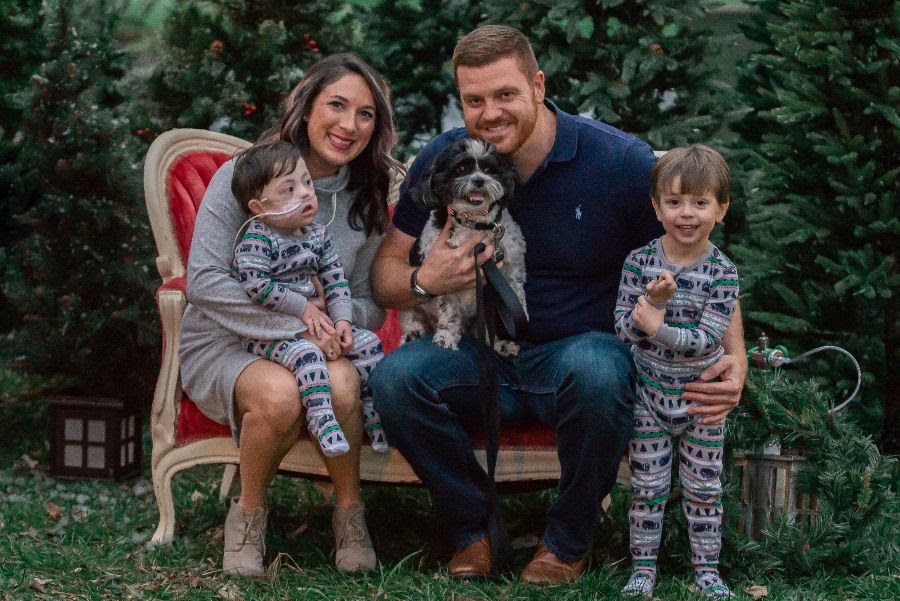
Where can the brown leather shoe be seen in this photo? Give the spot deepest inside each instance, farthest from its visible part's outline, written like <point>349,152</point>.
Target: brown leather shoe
<point>547,568</point>
<point>471,562</point>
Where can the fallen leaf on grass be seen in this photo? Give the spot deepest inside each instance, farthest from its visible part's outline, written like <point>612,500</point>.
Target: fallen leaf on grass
<point>53,510</point>
<point>25,465</point>
<point>757,591</point>
<point>38,584</point>
<point>197,496</point>
<point>230,592</point>
<point>293,534</point>
<point>693,588</point>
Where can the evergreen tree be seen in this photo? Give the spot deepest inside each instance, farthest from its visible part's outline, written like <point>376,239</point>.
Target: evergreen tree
<point>227,65</point>
<point>639,65</point>
<point>21,45</point>
<point>819,263</point>
<point>80,269</point>
<point>411,43</point>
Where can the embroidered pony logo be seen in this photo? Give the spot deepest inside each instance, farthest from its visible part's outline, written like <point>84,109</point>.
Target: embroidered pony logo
<point>578,212</point>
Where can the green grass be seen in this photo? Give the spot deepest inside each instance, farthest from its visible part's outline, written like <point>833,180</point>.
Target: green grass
<point>95,549</point>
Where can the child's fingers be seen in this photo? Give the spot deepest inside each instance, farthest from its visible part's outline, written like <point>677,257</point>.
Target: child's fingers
<point>325,326</point>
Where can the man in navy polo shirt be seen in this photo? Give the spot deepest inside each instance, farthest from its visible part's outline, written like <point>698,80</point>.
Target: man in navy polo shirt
<point>583,205</point>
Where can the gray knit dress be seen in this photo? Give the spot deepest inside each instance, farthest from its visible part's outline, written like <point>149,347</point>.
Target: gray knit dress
<point>219,312</point>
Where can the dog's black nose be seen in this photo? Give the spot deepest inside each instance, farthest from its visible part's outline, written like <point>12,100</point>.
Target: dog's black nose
<point>478,182</point>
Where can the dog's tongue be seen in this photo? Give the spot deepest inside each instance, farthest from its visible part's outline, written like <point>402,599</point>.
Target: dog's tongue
<point>476,197</point>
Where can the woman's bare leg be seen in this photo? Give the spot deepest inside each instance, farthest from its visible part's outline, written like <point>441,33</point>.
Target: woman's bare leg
<point>268,410</point>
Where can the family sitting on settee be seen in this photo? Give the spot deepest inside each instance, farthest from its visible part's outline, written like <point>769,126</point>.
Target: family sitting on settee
<point>633,334</point>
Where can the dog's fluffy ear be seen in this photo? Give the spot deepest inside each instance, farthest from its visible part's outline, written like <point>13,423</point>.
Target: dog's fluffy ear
<point>423,191</point>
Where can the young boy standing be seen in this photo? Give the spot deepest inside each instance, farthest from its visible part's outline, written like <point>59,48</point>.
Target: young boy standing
<point>675,301</point>
<point>276,258</point>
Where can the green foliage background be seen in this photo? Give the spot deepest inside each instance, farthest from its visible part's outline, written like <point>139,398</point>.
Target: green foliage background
<point>821,159</point>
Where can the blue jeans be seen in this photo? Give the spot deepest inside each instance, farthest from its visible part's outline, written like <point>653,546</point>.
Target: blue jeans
<point>582,386</point>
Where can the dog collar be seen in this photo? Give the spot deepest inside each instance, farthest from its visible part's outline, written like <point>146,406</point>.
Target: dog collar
<point>464,220</point>
<point>467,215</point>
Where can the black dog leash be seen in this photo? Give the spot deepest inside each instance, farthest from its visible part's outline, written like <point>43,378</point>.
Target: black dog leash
<point>494,299</point>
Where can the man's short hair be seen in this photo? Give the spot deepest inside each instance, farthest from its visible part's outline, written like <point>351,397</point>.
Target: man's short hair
<point>256,166</point>
<point>700,168</point>
<point>490,43</point>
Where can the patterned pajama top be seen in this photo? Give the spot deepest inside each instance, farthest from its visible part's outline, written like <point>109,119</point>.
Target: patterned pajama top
<point>275,269</point>
<point>690,339</point>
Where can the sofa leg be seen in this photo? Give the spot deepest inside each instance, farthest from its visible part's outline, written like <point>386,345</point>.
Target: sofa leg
<point>162,488</point>
<point>231,482</point>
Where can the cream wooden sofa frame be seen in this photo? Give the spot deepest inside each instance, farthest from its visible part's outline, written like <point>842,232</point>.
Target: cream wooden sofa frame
<point>514,465</point>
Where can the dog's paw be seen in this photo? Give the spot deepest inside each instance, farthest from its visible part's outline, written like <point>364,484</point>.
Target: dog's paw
<point>506,348</point>
<point>410,336</point>
<point>446,340</point>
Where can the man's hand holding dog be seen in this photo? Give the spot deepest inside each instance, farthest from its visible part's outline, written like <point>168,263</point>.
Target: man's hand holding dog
<point>447,269</point>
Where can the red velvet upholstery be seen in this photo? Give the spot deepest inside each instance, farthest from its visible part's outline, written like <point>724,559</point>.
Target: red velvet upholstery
<point>186,185</point>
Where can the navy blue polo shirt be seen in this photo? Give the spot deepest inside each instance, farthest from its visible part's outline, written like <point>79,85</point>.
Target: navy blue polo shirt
<point>581,212</point>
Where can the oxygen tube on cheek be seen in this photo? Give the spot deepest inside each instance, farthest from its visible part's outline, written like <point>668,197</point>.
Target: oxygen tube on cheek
<point>279,216</point>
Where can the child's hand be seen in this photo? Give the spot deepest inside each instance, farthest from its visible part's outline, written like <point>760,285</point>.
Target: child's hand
<point>318,322</point>
<point>647,317</point>
<point>319,300</point>
<point>660,290</point>
<point>345,335</point>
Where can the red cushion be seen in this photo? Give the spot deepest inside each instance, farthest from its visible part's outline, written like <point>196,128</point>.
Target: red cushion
<point>185,186</point>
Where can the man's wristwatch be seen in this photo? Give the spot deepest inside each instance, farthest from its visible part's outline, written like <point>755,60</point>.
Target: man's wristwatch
<point>417,291</point>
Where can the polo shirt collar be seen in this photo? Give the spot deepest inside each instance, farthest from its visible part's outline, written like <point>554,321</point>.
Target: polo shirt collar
<point>566,142</point>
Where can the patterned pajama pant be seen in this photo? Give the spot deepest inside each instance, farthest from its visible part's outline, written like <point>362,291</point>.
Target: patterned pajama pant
<point>700,466</point>
<point>308,363</point>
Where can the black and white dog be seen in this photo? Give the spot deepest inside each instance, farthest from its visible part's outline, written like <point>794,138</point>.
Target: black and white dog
<point>470,183</point>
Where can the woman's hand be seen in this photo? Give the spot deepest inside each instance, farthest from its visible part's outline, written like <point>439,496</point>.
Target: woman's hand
<point>647,317</point>
<point>317,321</point>
<point>344,333</point>
<point>329,344</point>
<point>714,400</point>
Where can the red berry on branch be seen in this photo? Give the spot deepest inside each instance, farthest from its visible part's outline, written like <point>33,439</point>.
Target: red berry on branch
<point>305,36</point>
<point>312,43</point>
<point>315,50</point>
<point>248,108</point>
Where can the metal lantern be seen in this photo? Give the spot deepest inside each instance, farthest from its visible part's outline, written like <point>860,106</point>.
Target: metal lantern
<point>94,437</point>
<point>769,486</point>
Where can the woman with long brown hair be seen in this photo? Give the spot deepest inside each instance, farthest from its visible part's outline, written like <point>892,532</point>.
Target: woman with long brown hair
<point>339,116</point>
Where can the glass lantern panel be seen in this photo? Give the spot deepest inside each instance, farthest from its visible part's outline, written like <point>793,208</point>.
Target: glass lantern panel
<point>122,456</point>
<point>96,457</point>
<point>74,429</point>
<point>131,426</point>
<point>72,455</point>
<point>130,452</point>
<point>96,430</point>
